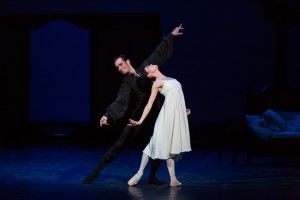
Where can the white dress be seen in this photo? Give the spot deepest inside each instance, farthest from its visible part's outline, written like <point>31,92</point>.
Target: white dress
<point>171,135</point>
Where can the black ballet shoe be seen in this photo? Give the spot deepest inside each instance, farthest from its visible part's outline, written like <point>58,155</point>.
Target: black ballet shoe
<point>154,181</point>
<point>89,179</point>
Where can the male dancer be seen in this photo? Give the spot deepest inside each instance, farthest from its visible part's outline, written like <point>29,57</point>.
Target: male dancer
<point>136,87</point>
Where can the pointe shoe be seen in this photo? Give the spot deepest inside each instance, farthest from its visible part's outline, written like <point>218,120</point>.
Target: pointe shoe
<point>135,179</point>
<point>175,183</point>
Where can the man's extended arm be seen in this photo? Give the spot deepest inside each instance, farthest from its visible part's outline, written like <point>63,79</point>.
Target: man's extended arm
<point>118,108</point>
<point>162,52</point>
<point>160,55</point>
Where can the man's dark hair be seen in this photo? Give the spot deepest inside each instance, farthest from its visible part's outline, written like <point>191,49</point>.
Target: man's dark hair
<point>123,57</point>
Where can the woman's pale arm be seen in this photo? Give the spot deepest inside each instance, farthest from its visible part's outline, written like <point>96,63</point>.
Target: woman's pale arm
<point>148,107</point>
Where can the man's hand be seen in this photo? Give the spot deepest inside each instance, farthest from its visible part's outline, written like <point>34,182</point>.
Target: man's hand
<point>177,30</point>
<point>133,123</point>
<point>103,121</point>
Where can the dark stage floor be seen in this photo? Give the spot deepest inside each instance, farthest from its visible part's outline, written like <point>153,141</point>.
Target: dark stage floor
<point>56,171</point>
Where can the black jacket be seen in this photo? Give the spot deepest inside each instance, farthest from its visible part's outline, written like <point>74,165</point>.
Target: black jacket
<point>135,91</point>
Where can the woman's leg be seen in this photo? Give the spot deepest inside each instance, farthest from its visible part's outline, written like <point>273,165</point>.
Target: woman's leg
<point>135,179</point>
<point>171,168</point>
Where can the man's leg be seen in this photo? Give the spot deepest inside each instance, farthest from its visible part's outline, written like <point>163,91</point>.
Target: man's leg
<point>108,157</point>
<point>110,154</point>
<point>154,167</point>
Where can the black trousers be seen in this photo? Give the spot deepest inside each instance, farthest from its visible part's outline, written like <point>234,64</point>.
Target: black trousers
<point>129,135</point>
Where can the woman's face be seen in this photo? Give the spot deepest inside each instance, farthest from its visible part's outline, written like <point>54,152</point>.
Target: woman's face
<point>150,69</point>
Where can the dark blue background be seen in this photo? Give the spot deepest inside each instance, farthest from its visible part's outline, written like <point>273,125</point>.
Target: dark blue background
<point>59,73</point>
<point>226,44</point>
